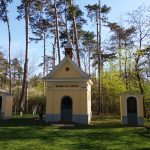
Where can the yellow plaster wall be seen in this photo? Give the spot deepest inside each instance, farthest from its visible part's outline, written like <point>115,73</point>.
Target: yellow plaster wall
<point>140,106</point>
<point>49,102</point>
<point>55,95</point>
<point>83,103</point>
<point>7,102</point>
<point>123,104</point>
<point>8,106</point>
<point>62,73</point>
<point>3,103</point>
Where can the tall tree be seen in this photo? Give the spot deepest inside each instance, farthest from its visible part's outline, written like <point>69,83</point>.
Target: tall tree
<point>123,40</point>
<point>88,43</point>
<point>17,72</point>
<point>4,17</point>
<point>139,19</point>
<point>40,29</point>
<point>73,12</point>
<point>23,10</point>
<point>98,13</point>
<point>54,14</point>
<point>75,18</point>
<point>3,71</point>
<point>57,30</point>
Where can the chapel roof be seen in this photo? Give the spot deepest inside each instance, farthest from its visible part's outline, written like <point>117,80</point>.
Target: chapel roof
<point>67,60</point>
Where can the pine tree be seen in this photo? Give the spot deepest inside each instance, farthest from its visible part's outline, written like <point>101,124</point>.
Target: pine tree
<point>4,17</point>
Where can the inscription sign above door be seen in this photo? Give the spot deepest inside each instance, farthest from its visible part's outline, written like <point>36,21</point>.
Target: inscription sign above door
<point>68,86</point>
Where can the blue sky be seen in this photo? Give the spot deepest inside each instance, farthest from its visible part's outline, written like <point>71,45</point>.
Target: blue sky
<point>118,9</point>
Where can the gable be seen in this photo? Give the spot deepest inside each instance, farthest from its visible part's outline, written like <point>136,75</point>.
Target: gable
<point>67,69</point>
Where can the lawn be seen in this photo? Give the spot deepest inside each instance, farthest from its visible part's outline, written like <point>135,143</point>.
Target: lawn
<point>28,133</point>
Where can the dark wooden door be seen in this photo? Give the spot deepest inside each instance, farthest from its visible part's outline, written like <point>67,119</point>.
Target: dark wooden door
<point>66,109</point>
<point>0,103</point>
<point>132,110</point>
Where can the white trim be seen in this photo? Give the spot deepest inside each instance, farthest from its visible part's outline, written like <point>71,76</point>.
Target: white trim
<point>69,80</point>
<point>65,89</point>
<point>65,80</point>
<point>90,82</point>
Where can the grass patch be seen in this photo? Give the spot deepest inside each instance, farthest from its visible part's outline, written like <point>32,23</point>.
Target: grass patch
<point>106,133</point>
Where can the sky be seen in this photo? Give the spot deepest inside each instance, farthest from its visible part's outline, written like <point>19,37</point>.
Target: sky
<point>118,10</point>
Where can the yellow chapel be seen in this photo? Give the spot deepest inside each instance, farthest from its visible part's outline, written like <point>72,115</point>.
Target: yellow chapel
<point>68,92</point>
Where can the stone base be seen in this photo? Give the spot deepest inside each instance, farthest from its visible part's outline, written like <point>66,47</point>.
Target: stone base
<point>4,116</point>
<point>76,118</point>
<point>124,120</point>
<point>140,121</point>
<point>52,117</point>
<point>81,119</point>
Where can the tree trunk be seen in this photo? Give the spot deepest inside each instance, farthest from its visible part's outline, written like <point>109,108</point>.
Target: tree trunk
<point>98,17</point>
<point>9,39</point>
<point>125,70</point>
<point>89,61</point>
<point>5,77</point>
<point>99,81</point>
<point>120,66</point>
<point>44,41</point>
<point>44,62</point>
<point>100,57</point>
<point>76,40</point>
<point>66,18</point>
<point>119,53</point>
<point>140,82</point>
<point>129,69</point>
<point>57,32</point>
<point>54,45</point>
<point>24,93</point>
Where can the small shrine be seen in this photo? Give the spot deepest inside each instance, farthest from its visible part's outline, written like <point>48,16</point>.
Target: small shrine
<point>68,92</point>
<point>132,109</point>
<point>6,102</point>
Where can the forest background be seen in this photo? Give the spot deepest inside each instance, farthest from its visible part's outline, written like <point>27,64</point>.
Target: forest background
<point>111,44</point>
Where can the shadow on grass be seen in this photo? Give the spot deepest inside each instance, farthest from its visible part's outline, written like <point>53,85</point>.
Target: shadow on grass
<point>92,126</point>
<point>35,121</point>
<point>105,134</point>
<point>14,122</point>
<point>31,129</point>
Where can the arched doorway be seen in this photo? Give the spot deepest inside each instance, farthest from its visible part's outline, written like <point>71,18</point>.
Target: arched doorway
<point>0,104</point>
<point>66,109</point>
<point>132,110</point>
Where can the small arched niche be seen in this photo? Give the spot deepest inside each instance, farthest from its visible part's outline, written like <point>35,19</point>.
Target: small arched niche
<point>132,110</point>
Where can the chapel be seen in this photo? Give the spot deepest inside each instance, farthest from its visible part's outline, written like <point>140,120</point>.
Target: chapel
<point>68,92</point>
<point>132,109</point>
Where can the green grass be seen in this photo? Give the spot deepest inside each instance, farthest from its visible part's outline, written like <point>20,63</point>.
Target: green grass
<point>27,133</point>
